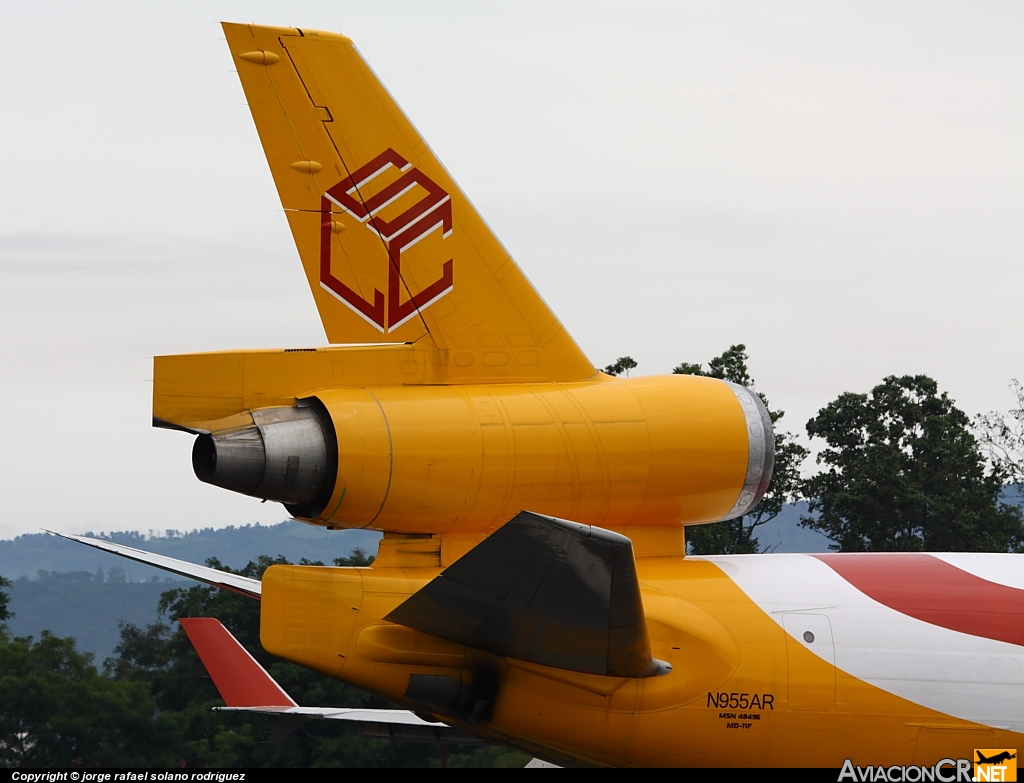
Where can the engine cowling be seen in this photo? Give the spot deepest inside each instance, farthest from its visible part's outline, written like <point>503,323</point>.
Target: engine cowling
<point>649,451</point>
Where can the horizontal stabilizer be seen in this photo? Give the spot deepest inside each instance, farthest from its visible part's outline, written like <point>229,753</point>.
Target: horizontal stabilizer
<point>221,579</point>
<point>246,686</point>
<point>543,590</point>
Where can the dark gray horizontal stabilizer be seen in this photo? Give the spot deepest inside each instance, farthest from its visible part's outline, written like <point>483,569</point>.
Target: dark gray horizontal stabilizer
<point>543,590</point>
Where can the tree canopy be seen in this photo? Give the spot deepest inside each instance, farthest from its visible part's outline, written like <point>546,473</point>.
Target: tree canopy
<point>738,536</point>
<point>57,710</point>
<point>904,473</point>
<point>5,612</point>
<point>1002,436</point>
<point>622,365</point>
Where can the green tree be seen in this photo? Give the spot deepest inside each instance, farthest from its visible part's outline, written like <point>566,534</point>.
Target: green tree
<point>357,557</point>
<point>738,536</point>
<point>904,473</point>
<point>56,710</point>
<point>5,612</point>
<point>161,656</point>
<point>1002,437</point>
<point>622,365</point>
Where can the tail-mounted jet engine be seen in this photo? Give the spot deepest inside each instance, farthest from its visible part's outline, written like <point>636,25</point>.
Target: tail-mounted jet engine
<point>289,456</point>
<point>424,459</point>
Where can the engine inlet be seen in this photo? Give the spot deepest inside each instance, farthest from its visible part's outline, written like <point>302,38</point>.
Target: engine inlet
<point>760,451</point>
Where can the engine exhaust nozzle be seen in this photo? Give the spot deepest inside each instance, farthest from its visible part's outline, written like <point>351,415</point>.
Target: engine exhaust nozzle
<point>283,458</point>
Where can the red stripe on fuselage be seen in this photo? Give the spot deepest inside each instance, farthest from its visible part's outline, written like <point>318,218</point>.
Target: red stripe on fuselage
<point>936,592</point>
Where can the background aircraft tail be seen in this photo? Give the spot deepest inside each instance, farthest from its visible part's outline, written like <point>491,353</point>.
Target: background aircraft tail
<point>239,678</point>
<point>246,686</point>
<point>392,249</point>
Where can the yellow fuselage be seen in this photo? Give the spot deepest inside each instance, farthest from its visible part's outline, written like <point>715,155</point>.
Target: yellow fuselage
<point>739,692</point>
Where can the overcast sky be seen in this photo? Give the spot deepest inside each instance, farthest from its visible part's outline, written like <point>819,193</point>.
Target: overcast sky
<point>839,186</point>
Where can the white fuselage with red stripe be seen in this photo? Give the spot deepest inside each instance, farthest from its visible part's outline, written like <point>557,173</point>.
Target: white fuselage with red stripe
<point>964,660</point>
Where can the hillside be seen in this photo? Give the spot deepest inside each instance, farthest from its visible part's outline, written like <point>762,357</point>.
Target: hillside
<point>234,546</point>
<point>784,534</point>
<point>87,610</point>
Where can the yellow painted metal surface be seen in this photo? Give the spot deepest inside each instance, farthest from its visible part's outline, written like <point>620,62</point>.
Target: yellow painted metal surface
<point>618,453</point>
<point>462,458</point>
<point>311,615</point>
<point>717,639</point>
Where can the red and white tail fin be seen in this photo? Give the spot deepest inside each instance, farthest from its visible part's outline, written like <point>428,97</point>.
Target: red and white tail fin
<point>239,678</point>
<point>245,686</point>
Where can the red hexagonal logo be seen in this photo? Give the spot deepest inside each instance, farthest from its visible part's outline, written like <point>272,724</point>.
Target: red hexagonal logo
<point>432,211</point>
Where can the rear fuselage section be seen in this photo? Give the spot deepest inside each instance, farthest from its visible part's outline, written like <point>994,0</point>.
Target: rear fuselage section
<point>777,660</point>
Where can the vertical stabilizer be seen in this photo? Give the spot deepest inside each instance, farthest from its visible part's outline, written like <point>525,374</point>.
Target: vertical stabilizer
<point>392,249</point>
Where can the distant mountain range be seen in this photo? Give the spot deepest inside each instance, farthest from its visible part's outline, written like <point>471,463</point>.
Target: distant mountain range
<point>89,611</point>
<point>784,534</point>
<point>234,546</point>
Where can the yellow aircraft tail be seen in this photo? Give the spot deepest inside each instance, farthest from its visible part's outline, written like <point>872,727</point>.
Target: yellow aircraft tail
<point>392,249</point>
